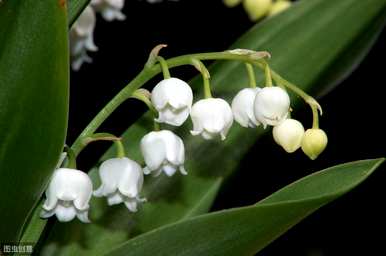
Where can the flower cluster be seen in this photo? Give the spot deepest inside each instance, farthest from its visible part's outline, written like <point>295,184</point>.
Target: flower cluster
<point>257,9</point>
<point>270,106</point>
<point>163,151</point>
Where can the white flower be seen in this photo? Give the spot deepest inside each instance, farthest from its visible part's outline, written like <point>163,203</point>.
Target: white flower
<point>173,100</point>
<point>68,195</point>
<point>163,151</point>
<point>211,117</point>
<point>122,180</point>
<point>81,38</point>
<point>289,134</point>
<point>109,9</point>
<point>271,105</point>
<point>242,107</point>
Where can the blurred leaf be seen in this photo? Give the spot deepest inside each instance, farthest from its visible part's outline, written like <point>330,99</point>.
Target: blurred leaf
<point>75,8</point>
<point>33,104</point>
<point>247,230</point>
<point>306,41</point>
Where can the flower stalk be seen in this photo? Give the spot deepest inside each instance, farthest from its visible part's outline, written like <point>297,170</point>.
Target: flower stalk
<point>152,68</point>
<point>251,75</point>
<point>205,77</point>
<point>164,67</point>
<point>268,76</point>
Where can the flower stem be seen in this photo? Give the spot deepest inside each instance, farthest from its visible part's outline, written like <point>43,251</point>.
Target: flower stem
<point>251,75</point>
<point>315,119</point>
<point>156,126</point>
<point>267,73</point>
<point>145,75</point>
<point>144,96</point>
<point>71,158</point>
<point>205,77</point>
<point>120,149</point>
<point>164,67</point>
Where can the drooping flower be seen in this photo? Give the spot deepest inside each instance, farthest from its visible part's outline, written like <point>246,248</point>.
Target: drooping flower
<point>81,38</point>
<point>257,9</point>
<point>314,142</point>
<point>109,9</point>
<point>68,195</point>
<point>122,181</point>
<point>211,117</point>
<point>242,107</point>
<point>289,134</point>
<point>163,151</point>
<point>173,100</point>
<point>279,6</point>
<point>271,105</point>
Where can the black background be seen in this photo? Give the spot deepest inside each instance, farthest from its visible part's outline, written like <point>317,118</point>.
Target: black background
<point>354,120</point>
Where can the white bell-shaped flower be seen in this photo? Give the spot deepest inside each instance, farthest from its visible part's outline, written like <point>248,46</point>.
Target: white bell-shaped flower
<point>68,195</point>
<point>289,134</point>
<point>173,99</point>
<point>122,181</point>
<point>81,38</point>
<point>211,117</point>
<point>271,105</point>
<point>163,151</point>
<point>242,107</point>
<point>109,9</point>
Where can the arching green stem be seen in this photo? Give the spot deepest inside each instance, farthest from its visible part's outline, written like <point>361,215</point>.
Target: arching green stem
<point>151,69</point>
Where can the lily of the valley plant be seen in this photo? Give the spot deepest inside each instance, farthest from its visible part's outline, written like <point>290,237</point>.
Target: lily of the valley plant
<point>171,102</point>
<point>152,192</point>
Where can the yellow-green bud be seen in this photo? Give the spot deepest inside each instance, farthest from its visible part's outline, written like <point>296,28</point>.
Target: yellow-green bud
<point>231,3</point>
<point>278,7</point>
<point>314,142</point>
<point>257,9</point>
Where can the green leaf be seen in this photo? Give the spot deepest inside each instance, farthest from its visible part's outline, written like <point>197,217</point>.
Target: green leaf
<point>306,41</point>
<point>33,104</point>
<point>247,230</point>
<point>75,8</point>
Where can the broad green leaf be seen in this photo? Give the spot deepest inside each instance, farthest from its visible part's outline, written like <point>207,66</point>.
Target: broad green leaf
<point>306,42</point>
<point>247,230</point>
<point>33,104</point>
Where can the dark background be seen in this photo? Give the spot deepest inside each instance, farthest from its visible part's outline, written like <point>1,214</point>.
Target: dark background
<point>354,120</point>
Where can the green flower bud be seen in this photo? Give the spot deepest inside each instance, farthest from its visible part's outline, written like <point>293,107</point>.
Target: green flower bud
<point>231,3</point>
<point>314,142</point>
<point>257,9</point>
<point>278,7</point>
